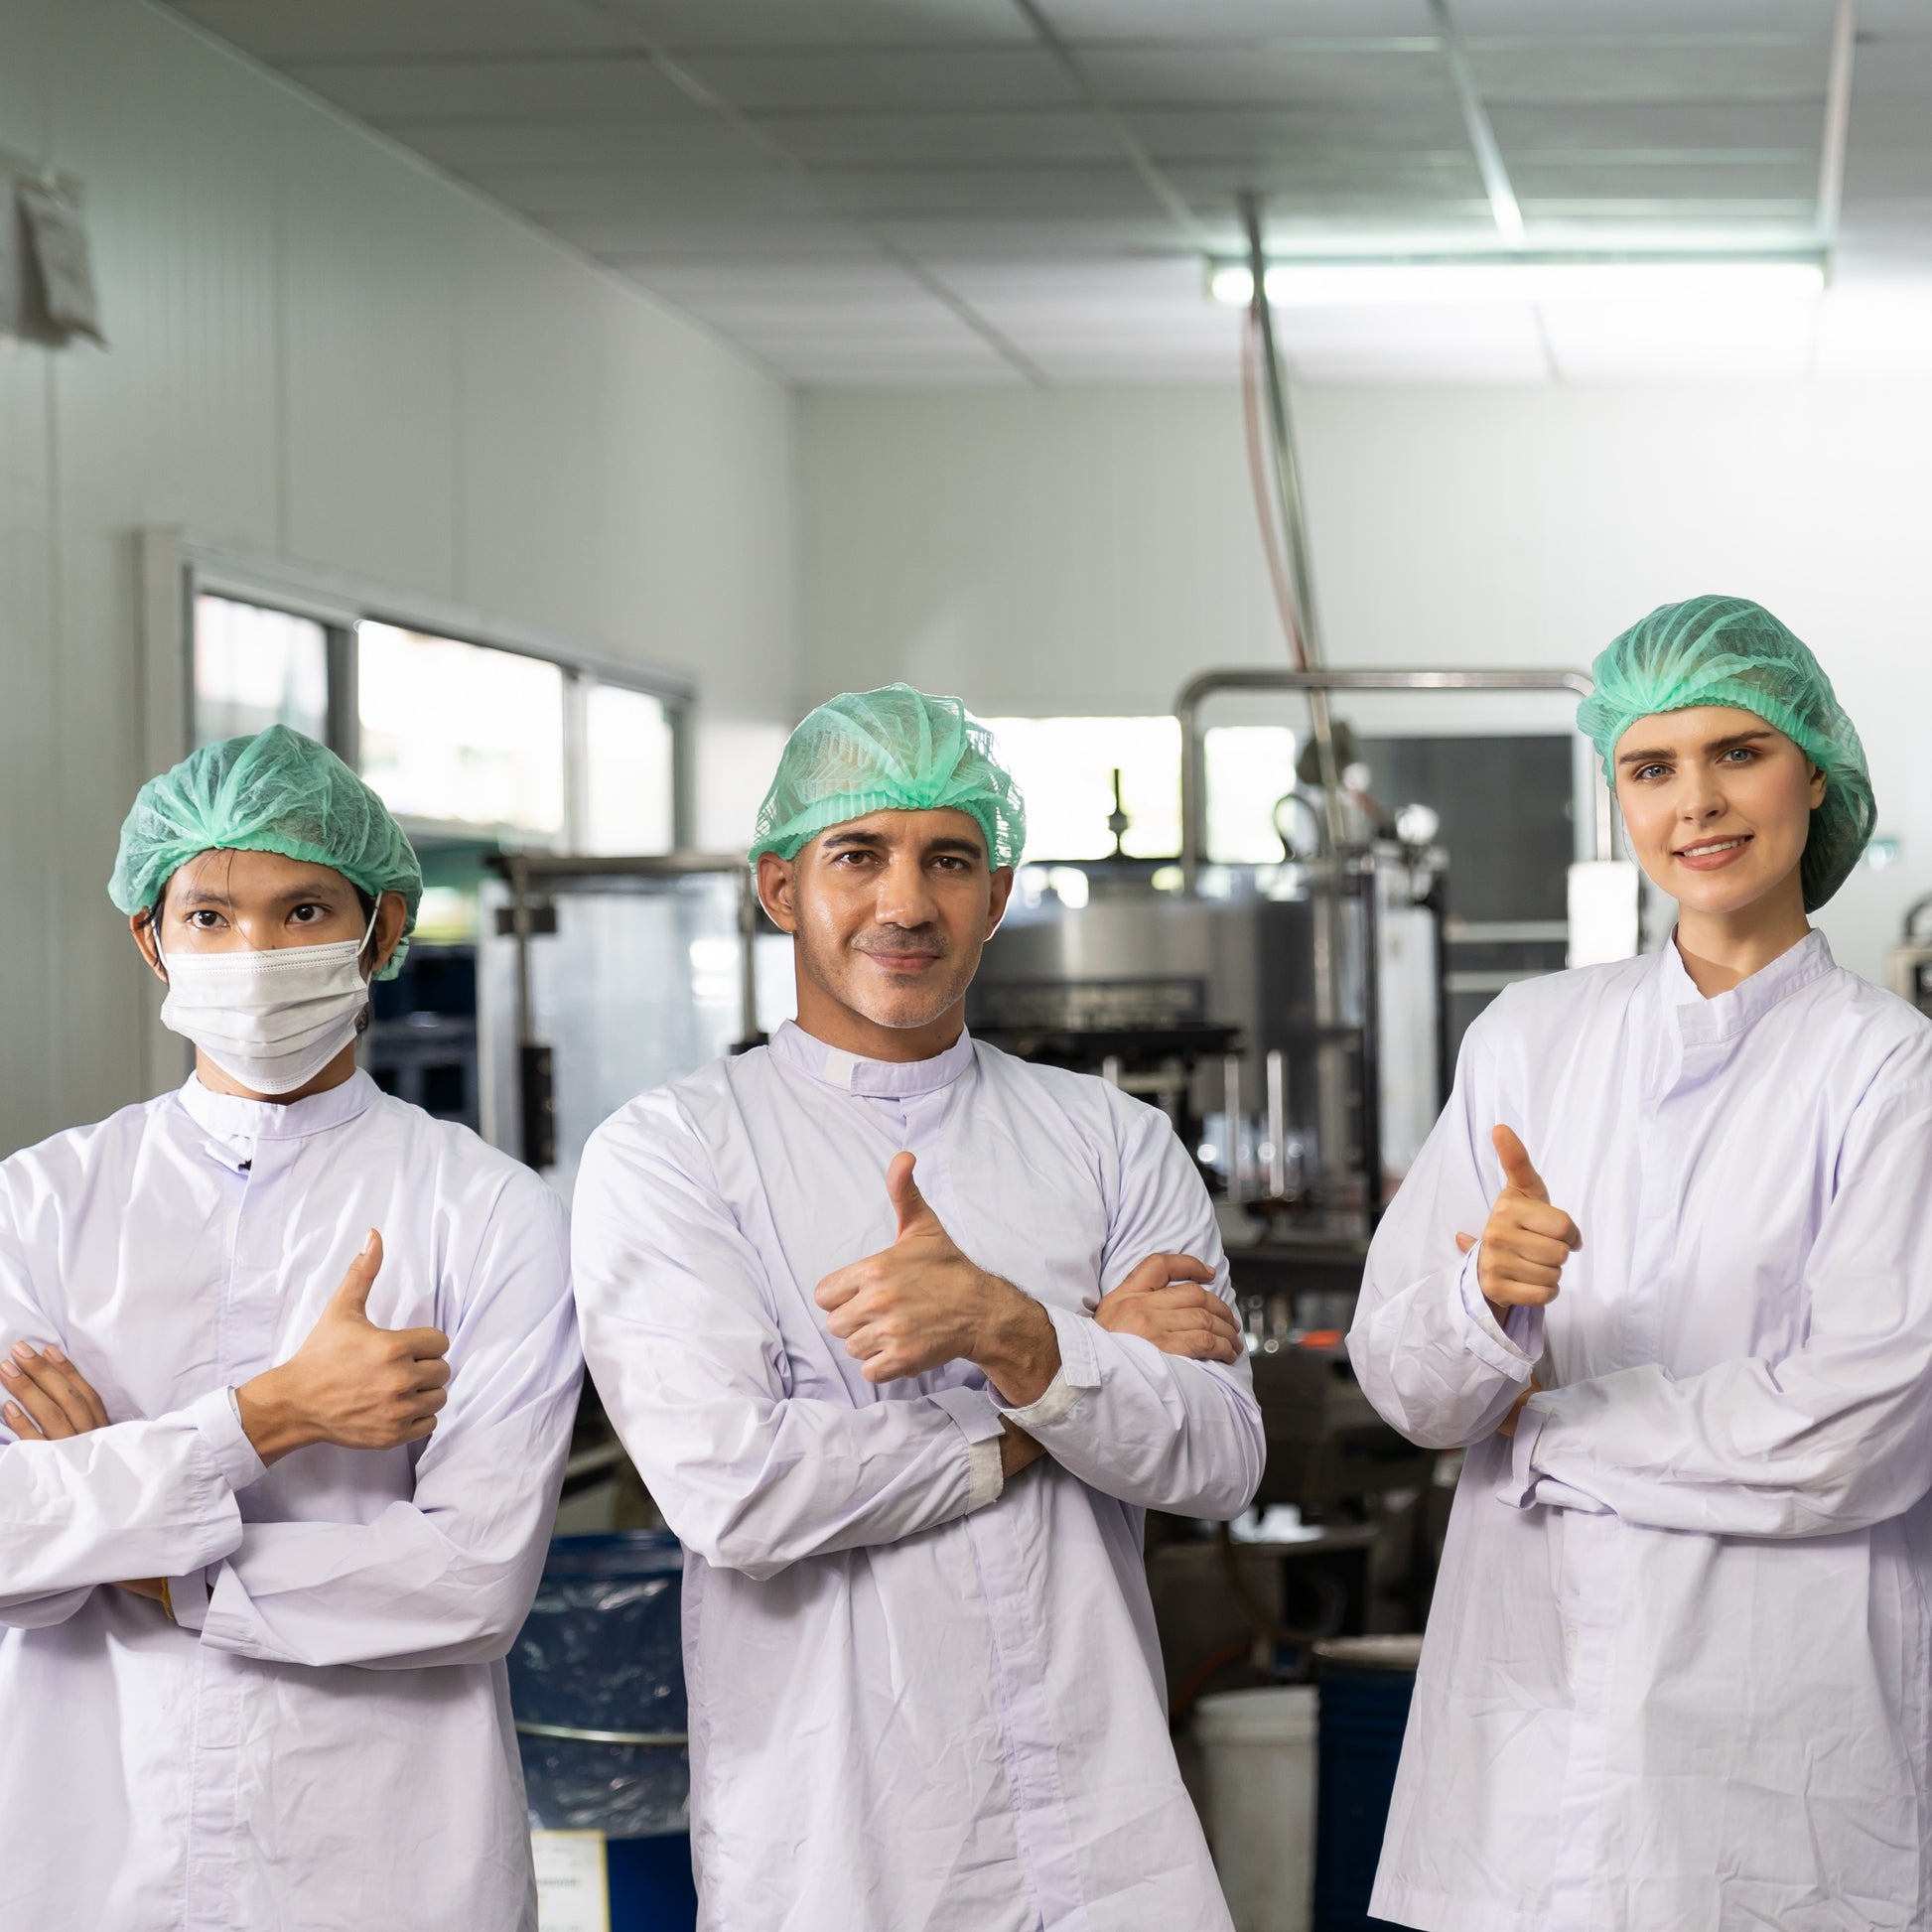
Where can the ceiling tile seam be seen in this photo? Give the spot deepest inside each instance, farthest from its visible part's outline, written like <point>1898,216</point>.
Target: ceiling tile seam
<point>1176,206</point>
<point>710,99</point>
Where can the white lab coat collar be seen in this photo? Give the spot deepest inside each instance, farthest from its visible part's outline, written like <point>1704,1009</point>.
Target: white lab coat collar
<point>793,1046</point>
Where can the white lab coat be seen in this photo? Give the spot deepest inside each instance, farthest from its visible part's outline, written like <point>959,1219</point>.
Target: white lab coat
<point>325,1742</point>
<point>920,1701</point>
<point>1678,1675</point>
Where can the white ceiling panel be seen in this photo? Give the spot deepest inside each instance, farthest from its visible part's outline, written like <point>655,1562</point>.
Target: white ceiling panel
<point>1657,72</point>
<point>1265,133</point>
<point>1711,180</point>
<point>1111,191</point>
<point>744,24</point>
<point>927,191</point>
<point>573,86</point>
<point>636,243</point>
<point>905,80</point>
<point>321,30</point>
<point>1271,74</point>
<point>1320,183</point>
<point>650,145</point>
<point>1247,20</point>
<point>1664,20</point>
<point>1611,127</point>
<point>1022,134</point>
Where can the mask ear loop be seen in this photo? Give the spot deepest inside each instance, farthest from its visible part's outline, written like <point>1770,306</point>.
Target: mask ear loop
<point>375,913</point>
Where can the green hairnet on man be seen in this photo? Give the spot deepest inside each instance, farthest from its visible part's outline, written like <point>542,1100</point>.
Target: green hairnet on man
<point>904,1427</point>
<point>1664,1272</point>
<point>288,1371</point>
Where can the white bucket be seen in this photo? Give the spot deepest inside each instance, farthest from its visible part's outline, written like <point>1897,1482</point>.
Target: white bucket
<point>1258,1755</point>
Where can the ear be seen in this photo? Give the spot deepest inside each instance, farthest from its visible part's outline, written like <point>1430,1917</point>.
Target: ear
<point>141,925</point>
<point>392,910</point>
<point>1820,784</point>
<point>777,883</point>
<point>1001,884</point>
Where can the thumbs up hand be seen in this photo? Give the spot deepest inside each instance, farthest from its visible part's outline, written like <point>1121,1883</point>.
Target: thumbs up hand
<point>1525,1241</point>
<point>351,1382</point>
<point>921,1303</point>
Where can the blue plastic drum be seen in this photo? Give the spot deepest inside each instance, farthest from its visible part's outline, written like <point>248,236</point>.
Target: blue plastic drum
<point>596,1684</point>
<point>1366,1687</point>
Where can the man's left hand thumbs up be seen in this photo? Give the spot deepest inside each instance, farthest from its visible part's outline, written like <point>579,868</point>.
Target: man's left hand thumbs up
<point>921,1303</point>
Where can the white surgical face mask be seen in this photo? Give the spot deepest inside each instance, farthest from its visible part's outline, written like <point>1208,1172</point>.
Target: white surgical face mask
<point>271,1020</point>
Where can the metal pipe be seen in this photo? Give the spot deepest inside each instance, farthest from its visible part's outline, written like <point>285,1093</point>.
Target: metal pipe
<point>1231,1105</point>
<point>748,960</point>
<point>1193,783</point>
<point>1278,1124</point>
<point>1288,486</point>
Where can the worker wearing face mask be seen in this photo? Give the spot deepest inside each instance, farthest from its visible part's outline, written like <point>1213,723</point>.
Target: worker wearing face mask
<point>1677,1674</point>
<point>903,1335</point>
<point>287,1374</point>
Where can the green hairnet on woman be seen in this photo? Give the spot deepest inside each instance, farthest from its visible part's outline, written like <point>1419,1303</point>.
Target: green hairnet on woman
<point>287,1376</point>
<point>1664,1272</point>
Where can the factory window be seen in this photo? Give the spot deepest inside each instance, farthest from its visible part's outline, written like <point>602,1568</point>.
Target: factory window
<point>255,667</point>
<point>1248,770</point>
<point>456,735</point>
<point>628,755</point>
<point>1065,767</point>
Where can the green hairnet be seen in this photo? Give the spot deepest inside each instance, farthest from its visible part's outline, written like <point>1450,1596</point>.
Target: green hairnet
<point>891,750</point>
<point>1729,650</point>
<point>276,791</point>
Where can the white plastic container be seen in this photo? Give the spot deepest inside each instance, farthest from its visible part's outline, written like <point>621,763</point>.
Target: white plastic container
<point>1258,1758</point>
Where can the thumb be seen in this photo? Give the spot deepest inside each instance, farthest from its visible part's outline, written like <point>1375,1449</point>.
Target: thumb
<point>350,1300</point>
<point>1464,1242</point>
<point>1517,1170</point>
<point>914,1215</point>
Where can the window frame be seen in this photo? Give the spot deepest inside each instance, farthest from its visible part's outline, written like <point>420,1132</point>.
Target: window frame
<point>178,567</point>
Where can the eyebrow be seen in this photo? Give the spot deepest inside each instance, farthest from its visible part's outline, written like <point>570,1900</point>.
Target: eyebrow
<point>878,842</point>
<point>1715,745</point>
<point>301,895</point>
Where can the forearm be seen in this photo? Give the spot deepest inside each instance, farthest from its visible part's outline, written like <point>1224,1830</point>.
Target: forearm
<point>1157,1431</point>
<point>135,1499</point>
<point>756,1486</point>
<point>1745,1449</point>
<point>1434,1362</point>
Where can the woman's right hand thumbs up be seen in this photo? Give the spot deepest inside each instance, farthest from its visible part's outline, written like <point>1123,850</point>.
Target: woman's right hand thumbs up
<point>1525,1241</point>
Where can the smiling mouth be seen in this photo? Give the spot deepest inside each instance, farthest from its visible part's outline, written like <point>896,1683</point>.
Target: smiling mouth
<point>1713,852</point>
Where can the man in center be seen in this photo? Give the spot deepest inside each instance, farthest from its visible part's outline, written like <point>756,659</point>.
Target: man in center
<point>903,1335</point>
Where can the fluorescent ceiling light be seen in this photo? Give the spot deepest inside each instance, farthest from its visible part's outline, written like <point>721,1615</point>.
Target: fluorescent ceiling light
<point>1367,284</point>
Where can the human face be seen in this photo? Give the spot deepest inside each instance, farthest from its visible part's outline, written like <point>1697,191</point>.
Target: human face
<point>233,902</point>
<point>1717,805</point>
<point>891,913</point>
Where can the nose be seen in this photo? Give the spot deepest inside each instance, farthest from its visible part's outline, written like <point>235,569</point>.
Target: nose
<point>904,893</point>
<point>1701,797</point>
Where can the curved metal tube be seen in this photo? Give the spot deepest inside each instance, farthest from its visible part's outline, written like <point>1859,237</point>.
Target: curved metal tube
<point>1193,777</point>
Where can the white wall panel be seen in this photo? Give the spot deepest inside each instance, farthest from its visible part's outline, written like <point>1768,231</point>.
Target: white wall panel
<point>324,352</point>
<point>1091,551</point>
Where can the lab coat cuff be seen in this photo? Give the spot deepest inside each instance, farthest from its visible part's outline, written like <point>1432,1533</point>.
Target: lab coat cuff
<point>979,1421</point>
<point>1520,1485</point>
<point>1513,1350</point>
<point>1079,1370</point>
<point>217,1419</point>
<point>188,1599</point>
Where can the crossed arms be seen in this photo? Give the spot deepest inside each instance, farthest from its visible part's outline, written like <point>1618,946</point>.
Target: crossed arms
<point>698,1373</point>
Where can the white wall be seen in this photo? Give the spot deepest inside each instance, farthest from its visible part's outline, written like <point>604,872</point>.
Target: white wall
<point>1089,551</point>
<point>323,351</point>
